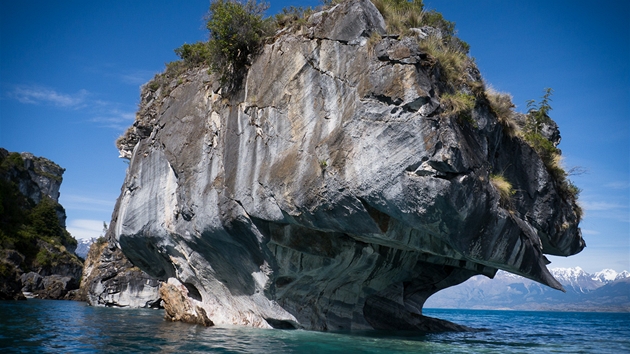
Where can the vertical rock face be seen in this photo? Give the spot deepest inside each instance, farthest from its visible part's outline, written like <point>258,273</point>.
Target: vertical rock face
<point>330,192</point>
<point>45,178</point>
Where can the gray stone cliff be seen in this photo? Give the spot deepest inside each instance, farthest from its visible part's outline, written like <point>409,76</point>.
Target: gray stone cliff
<point>331,192</point>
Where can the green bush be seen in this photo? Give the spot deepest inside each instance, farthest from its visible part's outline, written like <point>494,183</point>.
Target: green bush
<point>44,258</point>
<point>236,33</point>
<point>237,30</point>
<point>22,223</point>
<point>43,218</point>
<point>15,160</point>
<point>194,54</point>
<point>542,145</point>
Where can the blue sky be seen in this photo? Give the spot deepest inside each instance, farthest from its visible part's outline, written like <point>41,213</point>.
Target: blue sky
<point>70,73</point>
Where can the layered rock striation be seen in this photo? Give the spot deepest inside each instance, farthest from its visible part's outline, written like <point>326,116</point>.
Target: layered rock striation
<point>333,191</point>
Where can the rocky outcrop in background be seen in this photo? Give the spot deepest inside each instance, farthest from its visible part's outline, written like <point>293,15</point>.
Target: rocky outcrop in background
<point>334,191</point>
<point>110,279</point>
<point>36,252</point>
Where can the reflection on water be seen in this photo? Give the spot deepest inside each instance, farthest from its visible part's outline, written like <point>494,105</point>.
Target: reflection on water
<point>60,326</point>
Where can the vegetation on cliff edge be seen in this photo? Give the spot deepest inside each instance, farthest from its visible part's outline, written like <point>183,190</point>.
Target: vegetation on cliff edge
<point>531,131</point>
<point>27,227</point>
<point>238,29</point>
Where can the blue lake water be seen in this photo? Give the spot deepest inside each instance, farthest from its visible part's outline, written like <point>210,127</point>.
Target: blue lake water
<point>46,326</point>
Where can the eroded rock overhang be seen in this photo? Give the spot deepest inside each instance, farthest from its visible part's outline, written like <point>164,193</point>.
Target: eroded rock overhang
<point>330,192</point>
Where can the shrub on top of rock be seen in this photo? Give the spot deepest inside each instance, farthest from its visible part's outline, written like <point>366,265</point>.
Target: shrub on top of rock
<point>236,32</point>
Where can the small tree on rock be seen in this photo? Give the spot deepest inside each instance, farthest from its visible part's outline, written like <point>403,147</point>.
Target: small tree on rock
<point>236,32</point>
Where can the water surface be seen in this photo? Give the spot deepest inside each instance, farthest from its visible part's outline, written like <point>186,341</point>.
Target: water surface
<point>47,326</point>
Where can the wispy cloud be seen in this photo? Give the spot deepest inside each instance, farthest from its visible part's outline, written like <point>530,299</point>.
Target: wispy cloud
<point>115,119</point>
<point>104,113</point>
<point>606,210</point>
<point>590,232</point>
<point>602,206</point>
<point>610,210</point>
<point>85,228</point>
<point>43,95</point>
<point>618,185</point>
<point>137,77</point>
<point>76,202</point>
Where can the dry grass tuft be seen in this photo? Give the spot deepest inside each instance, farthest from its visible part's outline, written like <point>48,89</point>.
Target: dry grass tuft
<point>453,63</point>
<point>400,15</point>
<point>460,105</point>
<point>504,187</point>
<point>373,41</point>
<point>502,106</point>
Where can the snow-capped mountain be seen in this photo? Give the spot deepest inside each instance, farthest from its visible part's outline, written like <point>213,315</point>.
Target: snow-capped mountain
<point>606,290</point>
<point>581,281</point>
<point>623,275</point>
<point>577,279</point>
<point>606,275</point>
<point>83,247</point>
<point>570,274</point>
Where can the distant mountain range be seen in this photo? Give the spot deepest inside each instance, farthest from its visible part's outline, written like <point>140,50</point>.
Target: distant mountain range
<point>606,291</point>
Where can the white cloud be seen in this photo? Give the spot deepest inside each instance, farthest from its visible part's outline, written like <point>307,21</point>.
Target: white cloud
<point>590,232</point>
<point>84,228</point>
<point>42,95</point>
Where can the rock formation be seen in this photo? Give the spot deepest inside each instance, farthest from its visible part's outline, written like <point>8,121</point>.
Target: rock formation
<point>10,272</point>
<point>110,279</point>
<point>36,252</point>
<point>333,191</point>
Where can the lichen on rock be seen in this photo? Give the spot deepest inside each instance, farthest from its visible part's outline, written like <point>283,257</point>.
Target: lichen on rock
<point>332,192</point>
